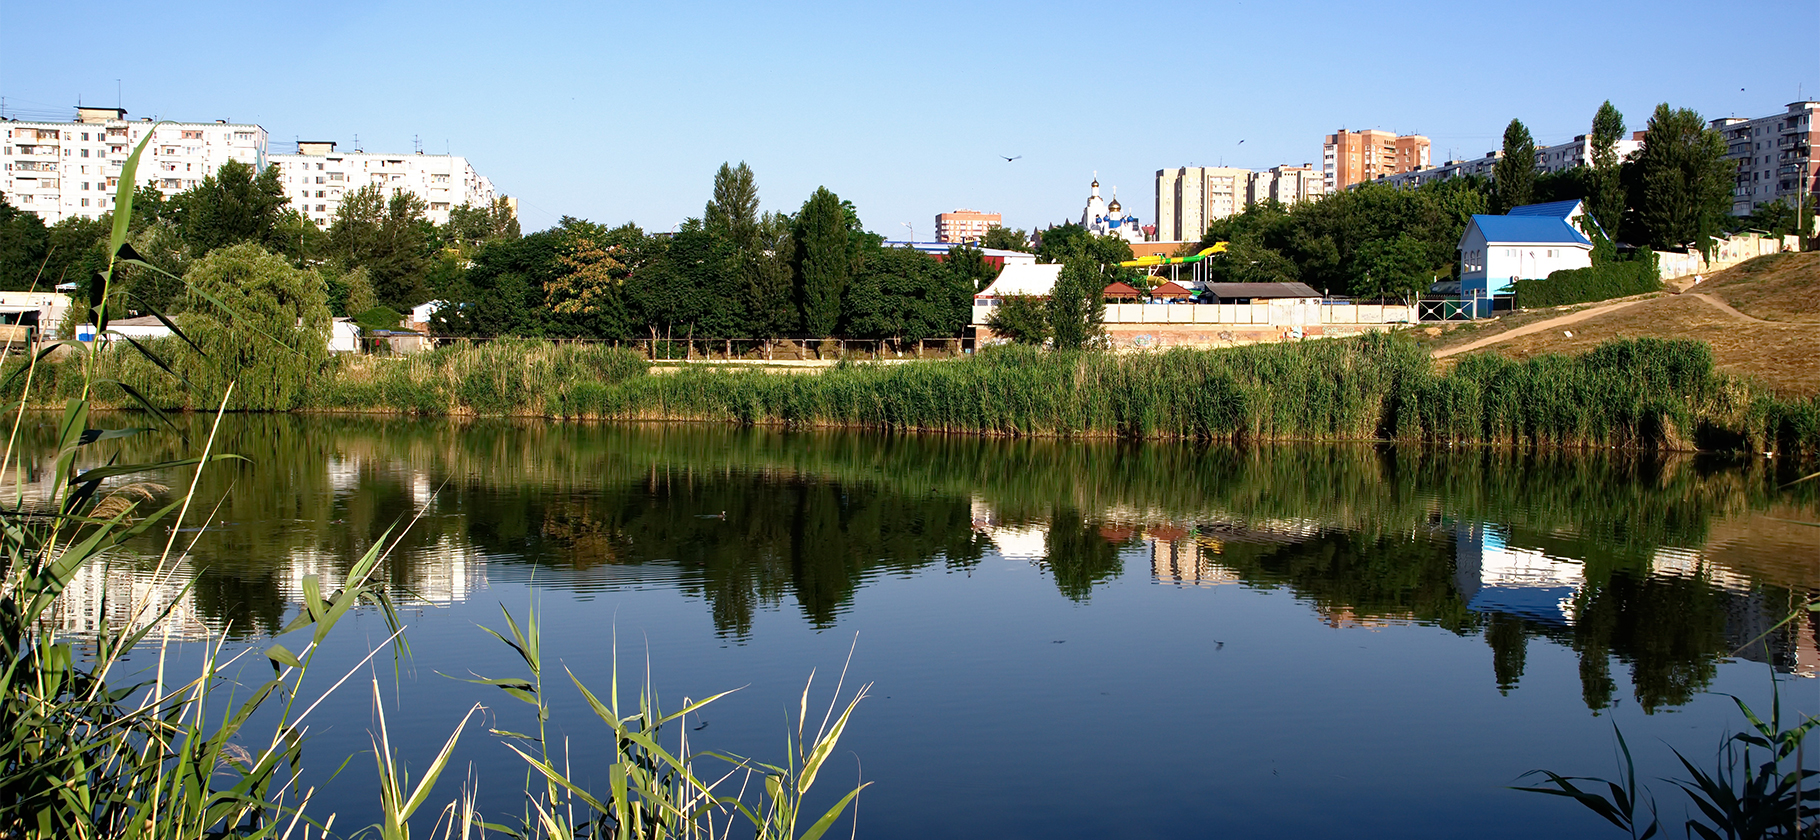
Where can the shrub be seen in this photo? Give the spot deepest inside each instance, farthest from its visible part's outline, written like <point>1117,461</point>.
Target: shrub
<point>1594,283</point>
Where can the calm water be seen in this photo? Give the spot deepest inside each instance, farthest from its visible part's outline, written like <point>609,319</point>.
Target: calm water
<point>1065,640</point>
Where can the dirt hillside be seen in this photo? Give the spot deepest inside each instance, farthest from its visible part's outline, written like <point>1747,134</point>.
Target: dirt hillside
<point>1761,317</point>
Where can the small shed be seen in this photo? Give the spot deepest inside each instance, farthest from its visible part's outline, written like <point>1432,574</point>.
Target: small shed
<point>1170,293</point>
<point>1259,292</point>
<point>142,327</point>
<point>1122,293</point>
<point>401,342</point>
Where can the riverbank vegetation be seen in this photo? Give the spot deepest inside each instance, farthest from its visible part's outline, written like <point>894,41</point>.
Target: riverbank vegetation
<point>1641,393</point>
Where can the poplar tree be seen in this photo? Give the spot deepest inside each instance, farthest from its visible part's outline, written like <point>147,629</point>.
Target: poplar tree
<point>822,262</point>
<point>733,213</point>
<point>1077,306</point>
<point>1514,178</point>
<point>1682,181</point>
<point>1605,198</point>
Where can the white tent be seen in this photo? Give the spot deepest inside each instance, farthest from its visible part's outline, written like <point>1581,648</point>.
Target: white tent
<point>344,336</point>
<point>1021,279</point>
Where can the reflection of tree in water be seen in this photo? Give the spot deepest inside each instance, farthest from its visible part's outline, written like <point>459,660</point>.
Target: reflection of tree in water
<point>1078,556</point>
<point>1509,649</point>
<point>742,541</point>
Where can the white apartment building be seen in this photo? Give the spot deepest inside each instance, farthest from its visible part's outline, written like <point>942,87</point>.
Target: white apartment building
<point>1578,152</point>
<point>60,170</point>
<point>317,178</point>
<point>1774,155</point>
<point>1287,185</point>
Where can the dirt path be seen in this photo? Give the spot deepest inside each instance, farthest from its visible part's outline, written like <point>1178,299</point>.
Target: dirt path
<point>1542,326</point>
<point>1727,309</point>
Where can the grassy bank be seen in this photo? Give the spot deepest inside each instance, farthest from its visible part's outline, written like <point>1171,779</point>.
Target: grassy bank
<point>1629,393</point>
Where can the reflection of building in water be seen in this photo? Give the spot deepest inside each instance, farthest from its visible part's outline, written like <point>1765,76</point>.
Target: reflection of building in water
<point>1751,628</point>
<point>1184,560</point>
<point>1687,563</point>
<point>1493,577</point>
<point>446,572</point>
<point>1025,541</point>
<point>123,598</point>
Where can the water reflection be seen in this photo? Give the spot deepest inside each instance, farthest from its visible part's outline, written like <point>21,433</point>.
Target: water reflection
<point>1658,566</point>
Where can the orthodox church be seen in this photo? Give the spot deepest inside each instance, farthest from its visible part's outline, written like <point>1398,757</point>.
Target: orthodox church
<point>1107,219</point>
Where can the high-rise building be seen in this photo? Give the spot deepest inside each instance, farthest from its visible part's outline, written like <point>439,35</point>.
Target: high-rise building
<point>1578,152</point>
<point>60,170</point>
<point>1190,198</point>
<point>1774,156</point>
<point>964,225</point>
<point>1287,185</point>
<point>318,178</point>
<point>1349,157</point>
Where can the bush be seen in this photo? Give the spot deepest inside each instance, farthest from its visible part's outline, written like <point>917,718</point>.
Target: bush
<point>1594,283</point>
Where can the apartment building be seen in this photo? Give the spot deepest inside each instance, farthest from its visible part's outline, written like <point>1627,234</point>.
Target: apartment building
<point>1774,157</point>
<point>965,225</point>
<point>1287,185</point>
<point>1578,152</point>
<point>60,170</point>
<point>1190,198</point>
<point>1351,157</point>
<point>318,178</point>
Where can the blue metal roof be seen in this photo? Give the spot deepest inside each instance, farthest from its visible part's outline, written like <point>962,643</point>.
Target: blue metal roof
<point>1527,229</point>
<point>1556,209</point>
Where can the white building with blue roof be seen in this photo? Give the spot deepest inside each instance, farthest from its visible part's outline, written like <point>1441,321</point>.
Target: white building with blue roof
<point>1529,243</point>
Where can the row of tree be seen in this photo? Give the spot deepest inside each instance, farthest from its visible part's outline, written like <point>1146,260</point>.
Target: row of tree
<point>734,272</point>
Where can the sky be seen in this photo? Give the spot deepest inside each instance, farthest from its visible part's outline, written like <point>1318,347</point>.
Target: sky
<point>617,112</point>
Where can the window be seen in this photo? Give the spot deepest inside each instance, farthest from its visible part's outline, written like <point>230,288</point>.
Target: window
<point>85,185</point>
<point>320,208</point>
<point>85,153</point>
<point>85,202</point>
<point>192,135</point>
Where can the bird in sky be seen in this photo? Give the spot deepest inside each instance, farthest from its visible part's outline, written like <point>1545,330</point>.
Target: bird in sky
<point>1241,142</point>
<point>1010,159</point>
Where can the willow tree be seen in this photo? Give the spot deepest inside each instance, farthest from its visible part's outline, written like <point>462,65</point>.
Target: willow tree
<point>263,325</point>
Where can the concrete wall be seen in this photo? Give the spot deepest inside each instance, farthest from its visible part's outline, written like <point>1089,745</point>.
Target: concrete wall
<point>1726,253</point>
<point>1288,312</point>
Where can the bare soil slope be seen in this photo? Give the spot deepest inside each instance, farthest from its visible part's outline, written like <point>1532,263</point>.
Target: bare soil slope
<point>1779,287</point>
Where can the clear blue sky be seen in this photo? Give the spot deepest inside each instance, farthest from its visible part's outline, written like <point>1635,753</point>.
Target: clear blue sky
<point>622,111</point>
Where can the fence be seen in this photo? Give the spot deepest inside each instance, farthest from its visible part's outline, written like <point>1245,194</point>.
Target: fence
<point>760,349</point>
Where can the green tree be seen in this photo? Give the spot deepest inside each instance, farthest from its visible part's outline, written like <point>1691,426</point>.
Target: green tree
<point>823,262</point>
<point>24,241</point>
<point>1514,176</point>
<point>1077,309</point>
<point>1394,269</point>
<point>1775,217</point>
<point>1023,319</point>
<point>1681,181</point>
<point>387,236</point>
<point>905,294</point>
<point>766,270</point>
<point>733,212</point>
<point>275,344</point>
<point>1605,198</point>
<point>1006,239</point>
<point>233,205</point>
<point>471,226</point>
<point>78,250</point>
<point>969,265</point>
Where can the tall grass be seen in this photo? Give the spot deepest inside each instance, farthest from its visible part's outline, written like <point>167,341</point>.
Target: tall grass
<point>1633,393</point>
<point>498,378</point>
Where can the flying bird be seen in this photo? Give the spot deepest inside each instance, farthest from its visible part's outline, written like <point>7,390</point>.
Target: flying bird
<point>1010,159</point>
<point>1241,142</point>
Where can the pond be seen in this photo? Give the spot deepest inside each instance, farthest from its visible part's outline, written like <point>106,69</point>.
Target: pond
<point>1063,639</point>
